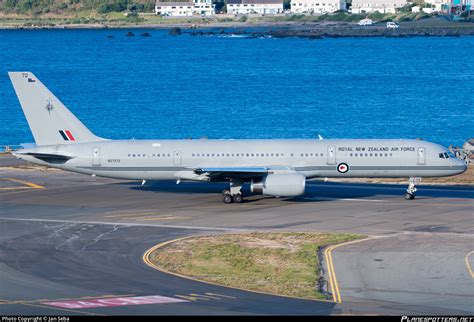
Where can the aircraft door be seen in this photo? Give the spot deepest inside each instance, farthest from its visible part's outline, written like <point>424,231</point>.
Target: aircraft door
<point>421,156</point>
<point>331,155</point>
<point>177,157</point>
<point>96,155</point>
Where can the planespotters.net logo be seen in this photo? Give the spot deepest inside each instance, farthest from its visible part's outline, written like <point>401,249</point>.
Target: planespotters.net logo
<point>437,319</point>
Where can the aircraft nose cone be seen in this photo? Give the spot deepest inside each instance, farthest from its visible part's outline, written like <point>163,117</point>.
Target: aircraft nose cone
<point>461,165</point>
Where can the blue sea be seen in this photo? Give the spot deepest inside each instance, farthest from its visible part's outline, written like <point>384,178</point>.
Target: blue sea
<point>177,87</point>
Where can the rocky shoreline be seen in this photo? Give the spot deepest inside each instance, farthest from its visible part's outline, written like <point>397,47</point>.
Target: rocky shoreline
<point>340,32</point>
<point>309,30</point>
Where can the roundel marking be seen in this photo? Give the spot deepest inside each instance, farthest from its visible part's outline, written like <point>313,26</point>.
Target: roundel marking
<point>342,167</point>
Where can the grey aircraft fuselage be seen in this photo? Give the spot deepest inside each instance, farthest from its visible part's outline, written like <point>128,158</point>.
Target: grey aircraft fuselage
<point>178,159</point>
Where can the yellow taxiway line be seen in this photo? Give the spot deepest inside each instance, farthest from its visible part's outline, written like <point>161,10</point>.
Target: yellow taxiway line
<point>334,285</point>
<point>26,183</point>
<point>466,260</point>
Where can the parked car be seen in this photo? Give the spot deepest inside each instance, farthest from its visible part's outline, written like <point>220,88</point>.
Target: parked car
<point>392,25</point>
<point>365,22</point>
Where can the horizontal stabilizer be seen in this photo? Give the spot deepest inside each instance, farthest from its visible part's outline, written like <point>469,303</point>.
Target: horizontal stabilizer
<point>51,158</point>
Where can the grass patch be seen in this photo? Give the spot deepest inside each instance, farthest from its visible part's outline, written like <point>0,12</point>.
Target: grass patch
<point>278,263</point>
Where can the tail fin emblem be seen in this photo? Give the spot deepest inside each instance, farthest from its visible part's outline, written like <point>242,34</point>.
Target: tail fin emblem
<point>49,106</point>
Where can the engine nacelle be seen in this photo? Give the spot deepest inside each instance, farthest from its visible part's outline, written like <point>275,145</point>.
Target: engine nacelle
<point>282,185</point>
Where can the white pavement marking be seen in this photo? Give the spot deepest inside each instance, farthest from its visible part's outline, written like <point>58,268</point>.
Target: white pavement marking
<point>345,199</point>
<point>123,224</point>
<point>115,301</point>
<point>385,187</point>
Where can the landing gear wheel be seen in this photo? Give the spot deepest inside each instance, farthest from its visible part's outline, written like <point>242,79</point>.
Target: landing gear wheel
<point>226,198</point>
<point>238,198</point>
<point>409,196</point>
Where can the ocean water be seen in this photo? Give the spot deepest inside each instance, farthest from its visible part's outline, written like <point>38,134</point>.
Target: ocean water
<point>232,87</point>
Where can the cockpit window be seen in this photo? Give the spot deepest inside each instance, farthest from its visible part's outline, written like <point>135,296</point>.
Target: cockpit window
<point>446,155</point>
<point>450,155</point>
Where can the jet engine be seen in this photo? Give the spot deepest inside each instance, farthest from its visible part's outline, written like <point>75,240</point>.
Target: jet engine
<point>282,185</point>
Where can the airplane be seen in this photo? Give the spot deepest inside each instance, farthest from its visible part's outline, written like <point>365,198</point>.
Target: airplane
<point>272,167</point>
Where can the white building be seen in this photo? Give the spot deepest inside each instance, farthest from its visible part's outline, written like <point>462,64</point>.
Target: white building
<point>382,6</point>
<point>317,6</point>
<point>204,7</point>
<point>185,9</point>
<point>436,4</point>
<point>242,7</point>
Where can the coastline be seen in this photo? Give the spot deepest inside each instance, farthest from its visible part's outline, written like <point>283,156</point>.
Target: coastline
<point>275,29</point>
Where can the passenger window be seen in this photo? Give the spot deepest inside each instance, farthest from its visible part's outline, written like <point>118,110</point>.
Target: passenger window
<point>441,155</point>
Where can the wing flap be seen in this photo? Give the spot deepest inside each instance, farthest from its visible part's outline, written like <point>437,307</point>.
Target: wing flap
<point>244,172</point>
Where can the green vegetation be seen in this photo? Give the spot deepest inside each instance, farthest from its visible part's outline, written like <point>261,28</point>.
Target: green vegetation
<point>73,7</point>
<point>243,19</point>
<point>277,263</point>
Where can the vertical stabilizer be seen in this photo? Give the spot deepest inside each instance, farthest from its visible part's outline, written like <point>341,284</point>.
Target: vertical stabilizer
<point>49,120</point>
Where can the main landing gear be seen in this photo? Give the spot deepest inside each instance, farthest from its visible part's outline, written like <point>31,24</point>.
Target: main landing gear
<point>233,194</point>
<point>410,194</point>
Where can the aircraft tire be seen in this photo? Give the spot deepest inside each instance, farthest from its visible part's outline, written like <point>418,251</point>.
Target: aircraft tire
<point>226,198</point>
<point>409,196</point>
<point>238,198</point>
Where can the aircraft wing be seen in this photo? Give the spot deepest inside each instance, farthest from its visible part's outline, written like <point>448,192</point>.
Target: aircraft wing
<point>241,172</point>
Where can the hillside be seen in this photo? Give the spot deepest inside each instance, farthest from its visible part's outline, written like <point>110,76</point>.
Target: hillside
<point>70,8</point>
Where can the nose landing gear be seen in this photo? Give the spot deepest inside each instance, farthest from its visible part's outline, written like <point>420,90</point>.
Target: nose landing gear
<point>410,194</point>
